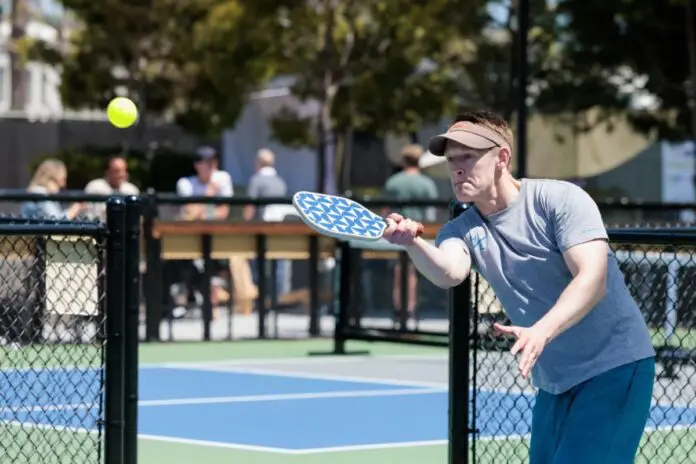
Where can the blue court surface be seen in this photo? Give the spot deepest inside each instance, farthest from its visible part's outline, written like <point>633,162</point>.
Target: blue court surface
<point>275,412</point>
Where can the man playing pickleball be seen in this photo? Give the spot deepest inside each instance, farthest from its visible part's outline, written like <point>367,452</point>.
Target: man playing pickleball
<point>542,246</point>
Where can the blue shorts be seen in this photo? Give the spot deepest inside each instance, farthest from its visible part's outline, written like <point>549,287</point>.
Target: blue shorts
<point>599,421</point>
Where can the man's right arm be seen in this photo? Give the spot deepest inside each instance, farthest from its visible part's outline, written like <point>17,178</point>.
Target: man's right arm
<point>446,265</point>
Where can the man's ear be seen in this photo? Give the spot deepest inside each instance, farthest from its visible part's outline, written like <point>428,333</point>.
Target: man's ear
<point>504,158</point>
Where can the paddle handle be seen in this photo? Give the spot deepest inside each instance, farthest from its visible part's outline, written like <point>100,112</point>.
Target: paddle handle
<point>419,232</point>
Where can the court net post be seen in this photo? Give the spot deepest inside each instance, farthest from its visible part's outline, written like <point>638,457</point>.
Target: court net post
<point>342,312</point>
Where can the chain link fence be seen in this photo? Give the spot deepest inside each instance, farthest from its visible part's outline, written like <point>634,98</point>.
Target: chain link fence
<point>52,332</point>
<point>65,297</point>
<point>661,275</point>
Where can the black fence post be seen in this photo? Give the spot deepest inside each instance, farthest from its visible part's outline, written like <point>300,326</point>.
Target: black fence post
<point>314,317</point>
<point>153,276</point>
<point>460,310</point>
<point>132,326</point>
<point>115,322</point>
<point>207,250</point>
<point>342,313</point>
<point>404,263</point>
<point>261,247</point>
<point>344,293</point>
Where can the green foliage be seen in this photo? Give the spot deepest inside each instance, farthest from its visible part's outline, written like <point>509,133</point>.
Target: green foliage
<point>164,55</point>
<point>292,130</point>
<point>379,66</point>
<point>159,171</point>
<point>606,51</point>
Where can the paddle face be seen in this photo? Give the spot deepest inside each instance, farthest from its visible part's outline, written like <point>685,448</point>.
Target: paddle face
<point>338,217</point>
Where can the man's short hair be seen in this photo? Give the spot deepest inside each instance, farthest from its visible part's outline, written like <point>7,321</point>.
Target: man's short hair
<point>265,157</point>
<point>205,153</point>
<point>490,120</point>
<point>109,161</point>
<point>410,155</point>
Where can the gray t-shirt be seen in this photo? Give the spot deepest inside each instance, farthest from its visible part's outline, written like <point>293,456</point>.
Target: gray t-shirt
<point>266,183</point>
<point>519,252</point>
<point>411,186</point>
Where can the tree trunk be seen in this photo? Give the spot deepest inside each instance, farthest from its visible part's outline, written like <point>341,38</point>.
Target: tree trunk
<point>326,174</point>
<point>18,20</point>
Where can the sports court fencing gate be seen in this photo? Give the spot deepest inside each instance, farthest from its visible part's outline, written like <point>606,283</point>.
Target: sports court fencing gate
<point>491,405</point>
<point>659,266</point>
<point>68,338</point>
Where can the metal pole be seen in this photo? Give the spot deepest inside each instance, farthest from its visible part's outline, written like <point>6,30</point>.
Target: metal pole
<point>115,328</point>
<point>261,248</point>
<point>153,276</point>
<point>522,81</point>
<point>314,316</point>
<point>132,325</point>
<point>460,310</point>
<point>207,249</point>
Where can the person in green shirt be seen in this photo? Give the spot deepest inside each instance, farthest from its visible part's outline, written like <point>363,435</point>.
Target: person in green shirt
<point>409,184</point>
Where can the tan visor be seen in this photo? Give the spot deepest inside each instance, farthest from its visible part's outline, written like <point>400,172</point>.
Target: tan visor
<point>468,134</point>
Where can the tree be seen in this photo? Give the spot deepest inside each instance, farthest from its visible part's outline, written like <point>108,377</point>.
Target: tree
<point>159,52</point>
<point>372,65</point>
<point>611,51</point>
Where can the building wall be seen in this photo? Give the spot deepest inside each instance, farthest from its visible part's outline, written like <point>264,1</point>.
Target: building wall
<point>43,81</point>
<point>23,140</point>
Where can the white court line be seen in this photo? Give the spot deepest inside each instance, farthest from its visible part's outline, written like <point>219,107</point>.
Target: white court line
<point>238,399</point>
<point>333,359</point>
<point>215,444</point>
<point>47,408</point>
<point>374,446</point>
<point>388,445</point>
<point>288,397</point>
<point>344,378</point>
<point>60,428</point>
<point>306,375</point>
<point>329,358</point>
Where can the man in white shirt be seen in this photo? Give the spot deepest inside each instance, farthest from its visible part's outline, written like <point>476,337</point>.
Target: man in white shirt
<point>208,181</point>
<point>114,182</point>
<point>212,182</point>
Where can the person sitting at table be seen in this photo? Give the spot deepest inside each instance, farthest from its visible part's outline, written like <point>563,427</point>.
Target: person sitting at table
<point>208,181</point>
<point>211,182</point>
<point>113,182</point>
<point>50,177</point>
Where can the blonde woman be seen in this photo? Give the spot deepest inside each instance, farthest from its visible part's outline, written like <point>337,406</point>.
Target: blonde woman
<point>49,178</point>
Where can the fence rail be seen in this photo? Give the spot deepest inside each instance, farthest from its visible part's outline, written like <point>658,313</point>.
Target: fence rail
<point>265,296</point>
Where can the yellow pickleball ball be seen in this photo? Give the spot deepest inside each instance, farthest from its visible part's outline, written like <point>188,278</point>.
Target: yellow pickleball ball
<point>122,112</point>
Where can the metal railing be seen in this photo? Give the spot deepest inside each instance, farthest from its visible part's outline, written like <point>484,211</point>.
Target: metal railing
<point>158,307</point>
